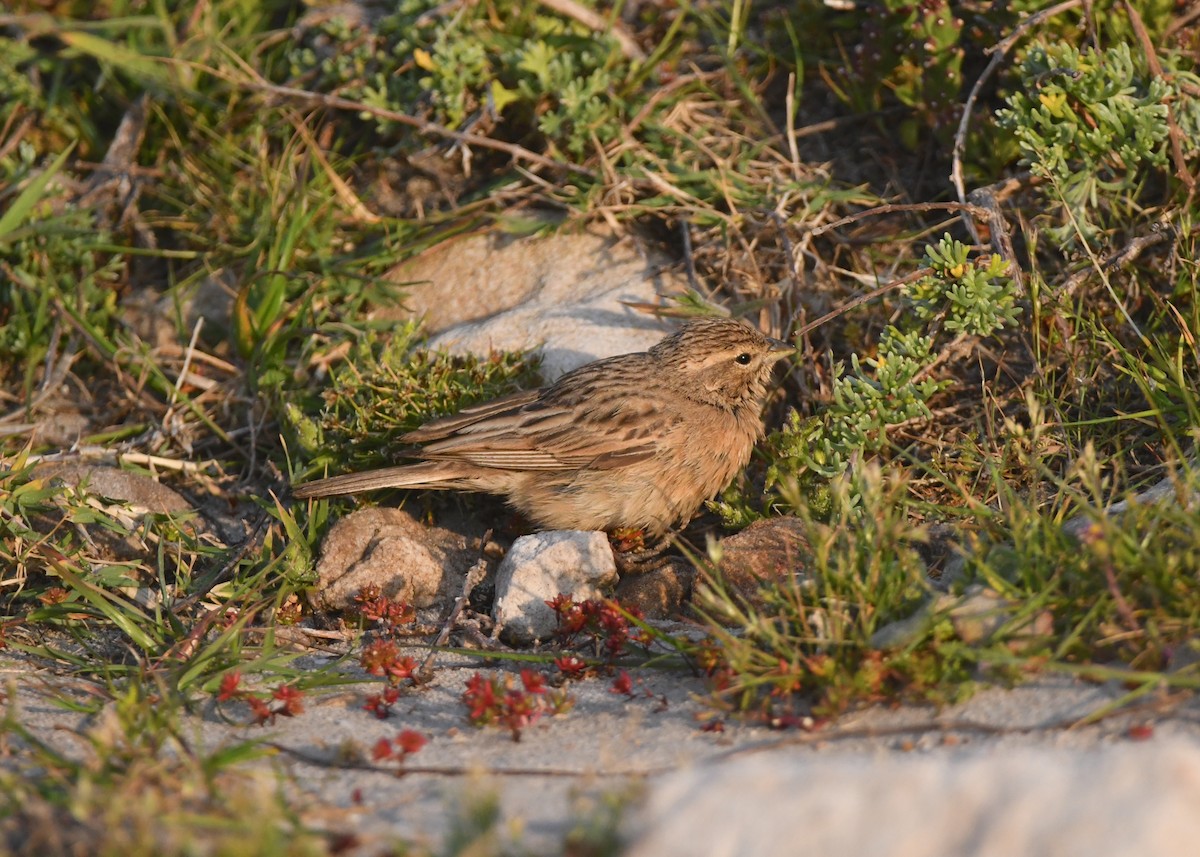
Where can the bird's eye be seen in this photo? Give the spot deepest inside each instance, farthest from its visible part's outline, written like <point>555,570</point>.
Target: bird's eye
<point>743,358</point>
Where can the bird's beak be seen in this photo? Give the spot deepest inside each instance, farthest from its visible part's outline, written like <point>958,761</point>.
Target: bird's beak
<point>779,349</point>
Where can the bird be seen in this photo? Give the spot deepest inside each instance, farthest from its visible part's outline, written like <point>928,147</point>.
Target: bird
<point>635,442</point>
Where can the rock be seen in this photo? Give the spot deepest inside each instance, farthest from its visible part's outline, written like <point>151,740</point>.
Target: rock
<point>980,612</point>
<point>564,293</point>
<point>1170,489</point>
<point>976,614</point>
<point>903,632</point>
<point>60,423</point>
<point>540,567</point>
<point>389,549</point>
<point>151,314</point>
<point>767,551</point>
<point>659,593</point>
<point>1130,799</point>
<point>124,486</point>
<point>131,496</point>
<point>1185,655</point>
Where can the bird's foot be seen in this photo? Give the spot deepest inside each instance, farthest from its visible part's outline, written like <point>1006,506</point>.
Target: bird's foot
<point>633,556</point>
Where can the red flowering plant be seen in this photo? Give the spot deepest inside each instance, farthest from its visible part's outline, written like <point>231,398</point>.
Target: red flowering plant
<point>496,700</point>
<point>602,623</point>
<point>286,700</point>
<point>381,657</point>
<point>399,749</point>
<point>388,615</point>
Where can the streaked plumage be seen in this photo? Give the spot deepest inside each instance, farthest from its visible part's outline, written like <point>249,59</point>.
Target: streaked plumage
<point>635,441</point>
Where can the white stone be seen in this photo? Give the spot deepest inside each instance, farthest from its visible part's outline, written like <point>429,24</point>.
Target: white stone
<point>540,567</point>
<point>566,293</point>
<point>1110,801</point>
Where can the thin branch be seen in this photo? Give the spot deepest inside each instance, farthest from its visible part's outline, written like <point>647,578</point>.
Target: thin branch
<point>1173,133</point>
<point>1181,21</point>
<point>898,207</point>
<point>597,22</point>
<point>1161,231</point>
<point>103,453</point>
<point>790,110</point>
<point>985,198</point>
<point>689,259</point>
<point>334,102</point>
<point>998,52</point>
<point>862,299</point>
<point>474,574</point>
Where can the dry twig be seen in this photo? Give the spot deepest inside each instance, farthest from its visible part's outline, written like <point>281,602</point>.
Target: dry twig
<point>998,52</point>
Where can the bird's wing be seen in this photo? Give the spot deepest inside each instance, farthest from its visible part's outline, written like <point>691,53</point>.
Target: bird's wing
<point>592,426</point>
<point>447,426</point>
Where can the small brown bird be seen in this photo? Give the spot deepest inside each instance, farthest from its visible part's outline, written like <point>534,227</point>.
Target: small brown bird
<point>636,441</point>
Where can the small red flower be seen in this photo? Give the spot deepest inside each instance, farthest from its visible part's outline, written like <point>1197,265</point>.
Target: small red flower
<point>368,593</point>
<point>229,686</point>
<point>291,700</point>
<point>261,710</point>
<point>622,684</point>
<point>496,700</point>
<point>708,658</point>
<point>721,679</point>
<point>382,750</point>
<point>1141,732</point>
<point>386,611</point>
<point>519,711</point>
<point>403,668</point>
<point>534,682</point>
<point>570,666</point>
<point>571,616</point>
<point>379,656</point>
<point>410,741</point>
<point>383,658</point>
<point>480,699</point>
<point>54,595</point>
<point>380,704</point>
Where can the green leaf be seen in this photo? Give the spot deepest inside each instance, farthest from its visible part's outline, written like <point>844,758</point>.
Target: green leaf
<point>502,96</point>
<point>120,57</point>
<point>28,199</point>
<point>536,60</point>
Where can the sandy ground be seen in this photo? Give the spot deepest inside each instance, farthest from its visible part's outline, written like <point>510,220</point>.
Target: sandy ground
<point>609,744</point>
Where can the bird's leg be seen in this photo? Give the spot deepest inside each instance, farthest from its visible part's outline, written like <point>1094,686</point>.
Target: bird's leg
<point>633,556</point>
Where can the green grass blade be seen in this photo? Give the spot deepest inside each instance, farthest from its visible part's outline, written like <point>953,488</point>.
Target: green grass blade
<point>28,199</point>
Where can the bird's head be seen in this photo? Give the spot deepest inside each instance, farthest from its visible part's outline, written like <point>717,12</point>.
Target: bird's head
<point>721,361</point>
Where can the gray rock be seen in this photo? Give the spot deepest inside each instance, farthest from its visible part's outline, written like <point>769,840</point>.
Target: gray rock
<point>151,313</point>
<point>60,422</point>
<point>389,549</point>
<point>140,492</point>
<point>132,495</point>
<point>1131,799</point>
<point>565,293</point>
<point>976,614</point>
<point>540,567</point>
<point>1170,489</point>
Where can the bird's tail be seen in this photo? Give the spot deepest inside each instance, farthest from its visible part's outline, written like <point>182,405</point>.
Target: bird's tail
<point>427,474</point>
